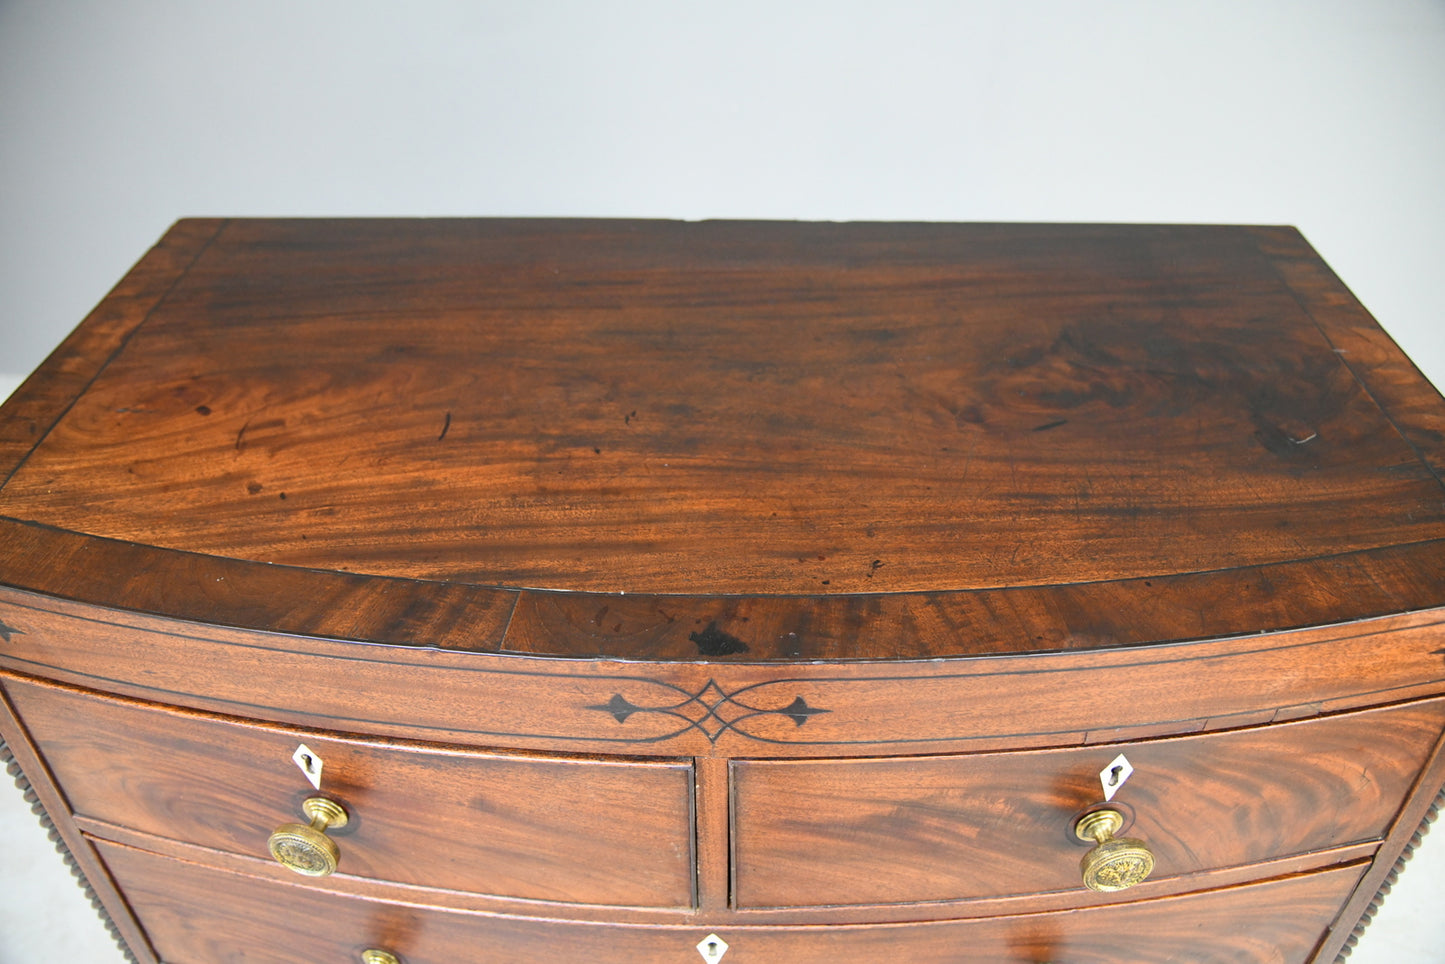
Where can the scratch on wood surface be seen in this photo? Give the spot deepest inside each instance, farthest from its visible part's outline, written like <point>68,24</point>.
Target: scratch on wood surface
<point>446,427</point>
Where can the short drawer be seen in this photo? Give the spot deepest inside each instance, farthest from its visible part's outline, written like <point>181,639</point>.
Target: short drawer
<point>195,914</point>
<point>544,828</point>
<point>899,830</point>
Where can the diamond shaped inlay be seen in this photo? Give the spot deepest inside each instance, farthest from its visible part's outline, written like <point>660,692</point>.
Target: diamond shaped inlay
<point>712,948</point>
<point>711,710</point>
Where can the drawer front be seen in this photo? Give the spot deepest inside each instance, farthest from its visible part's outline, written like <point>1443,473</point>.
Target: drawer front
<point>994,824</point>
<point>508,825</point>
<point>195,914</point>
<point>685,708</point>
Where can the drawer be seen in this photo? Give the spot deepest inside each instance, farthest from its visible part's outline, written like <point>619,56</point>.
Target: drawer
<point>670,709</point>
<point>195,914</point>
<point>811,833</point>
<point>508,825</point>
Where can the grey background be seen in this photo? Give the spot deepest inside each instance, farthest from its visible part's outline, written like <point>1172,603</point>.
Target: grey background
<point>118,118</point>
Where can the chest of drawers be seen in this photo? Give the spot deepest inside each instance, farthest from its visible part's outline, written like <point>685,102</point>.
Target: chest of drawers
<point>655,591</point>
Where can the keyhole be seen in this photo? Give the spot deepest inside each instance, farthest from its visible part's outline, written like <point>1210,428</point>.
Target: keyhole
<point>308,765</point>
<point>1114,776</point>
<point>712,948</point>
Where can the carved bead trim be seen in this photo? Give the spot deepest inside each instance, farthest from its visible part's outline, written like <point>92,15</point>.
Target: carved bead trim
<point>1392,877</point>
<point>13,769</point>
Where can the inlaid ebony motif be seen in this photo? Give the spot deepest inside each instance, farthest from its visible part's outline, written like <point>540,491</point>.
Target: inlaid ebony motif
<point>710,711</point>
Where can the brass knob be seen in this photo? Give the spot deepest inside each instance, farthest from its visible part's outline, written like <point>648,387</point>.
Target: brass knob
<point>305,848</point>
<point>373,955</point>
<point>1113,863</point>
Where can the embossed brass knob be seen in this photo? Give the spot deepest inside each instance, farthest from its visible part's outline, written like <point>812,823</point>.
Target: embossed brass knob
<point>373,955</point>
<point>1113,863</point>
<point>305,848</point>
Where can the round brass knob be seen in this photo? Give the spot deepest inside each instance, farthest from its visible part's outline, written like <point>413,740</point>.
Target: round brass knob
<point>305,848</point>
<point>1113,863</point>
<point>373,955</point>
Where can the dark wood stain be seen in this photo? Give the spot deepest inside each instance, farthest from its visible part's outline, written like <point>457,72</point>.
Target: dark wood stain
<point>714,642</point>
<point>1274,921</point>
<point>638,580</point>
<point>919,829</point>
<point>415,809</point>
<point>1026,406</point>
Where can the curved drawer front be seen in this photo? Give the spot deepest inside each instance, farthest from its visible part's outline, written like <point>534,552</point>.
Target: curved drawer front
<point>510,825</point>
<point>200,915</point>
<point>673,709</point>
<point>811,833</point>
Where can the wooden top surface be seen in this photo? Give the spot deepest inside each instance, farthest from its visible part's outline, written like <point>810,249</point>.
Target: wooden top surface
<point>780,440</point>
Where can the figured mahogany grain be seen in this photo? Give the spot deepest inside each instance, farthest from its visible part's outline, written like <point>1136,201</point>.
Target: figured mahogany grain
<point>33,409</point>
<point>843,418</point>
<point>260,922</point>
<point>944,828</point>
<point>412,612</point>
<point>529,827</point>
<point>673,708</point>
<point>748,505</point>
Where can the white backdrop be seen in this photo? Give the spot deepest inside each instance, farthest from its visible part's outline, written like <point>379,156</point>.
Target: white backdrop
<point>118,118</point>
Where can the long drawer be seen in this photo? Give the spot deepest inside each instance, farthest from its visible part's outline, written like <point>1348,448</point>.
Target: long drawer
<point>195,914</point>
<point>905,829</point>
<point>681,708</point>
<point>513,825</point>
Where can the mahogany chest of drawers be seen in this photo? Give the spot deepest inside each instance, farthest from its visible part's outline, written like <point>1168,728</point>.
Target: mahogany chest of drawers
<point>592,591</point>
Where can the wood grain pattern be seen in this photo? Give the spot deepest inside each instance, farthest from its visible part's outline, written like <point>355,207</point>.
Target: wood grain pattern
<point>1385,868</point>
<point>413,612</point>
<point>28,794</point>
<point>718,915</point>
<point>860,547</point>
<point>924,829</point>
<point>711,709</point>
<point>654,407</point>
<point>1406,397</point>
<point>31,412</point>
<point>43,792</point>
<point>1277,922</point>
<point>543,829</point>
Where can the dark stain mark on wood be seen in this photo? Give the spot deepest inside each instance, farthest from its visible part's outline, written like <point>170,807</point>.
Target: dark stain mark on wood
<point>873,567</point>
<point>712,641</point>
<point>7,631</point>
<point>627,419</point>
<point>1048,425</point>
<point>446,426</point>
<point>241,435</point>
<point>254,487</point>
<point>203,409</point>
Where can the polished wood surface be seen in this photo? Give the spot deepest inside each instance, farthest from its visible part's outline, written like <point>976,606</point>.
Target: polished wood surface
<point>637,580</point>
<point>528,827</point>
<point>1277,922</point>
<point>946,828</point>
<point>716,708</point>
<point>663,409</point>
